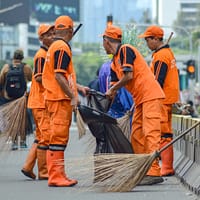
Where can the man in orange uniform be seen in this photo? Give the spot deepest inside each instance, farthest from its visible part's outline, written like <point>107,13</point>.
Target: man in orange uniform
<point>164,67</point>
<point>59,80</point>
<point>36,103</point>
<point>129,69</point>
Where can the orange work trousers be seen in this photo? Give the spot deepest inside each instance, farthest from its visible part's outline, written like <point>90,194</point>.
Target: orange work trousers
<point>146,131</point>
<point>42,125</point>
<point>37,116</point>
<point>166,119</point>
<point>60,120</point>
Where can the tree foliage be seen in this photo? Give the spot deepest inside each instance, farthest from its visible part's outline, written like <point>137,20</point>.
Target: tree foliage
<point>189,23</point>
<point>86,65</point>
<point>130,36</point>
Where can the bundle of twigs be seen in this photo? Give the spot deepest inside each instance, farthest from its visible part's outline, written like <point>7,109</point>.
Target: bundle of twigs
<point>80,124</point>
<point>13,119</point>
<point>124,122</point>
<point>121,172</point>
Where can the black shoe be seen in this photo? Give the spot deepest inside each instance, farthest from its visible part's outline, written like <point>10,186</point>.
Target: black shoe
<point>14,147</point>
<point>23,145</point>
<point>169,174</point>
<point>28,174</point>
<point>151,180</point>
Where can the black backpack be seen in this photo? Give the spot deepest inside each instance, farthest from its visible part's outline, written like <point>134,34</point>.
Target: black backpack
<point>15,81</point>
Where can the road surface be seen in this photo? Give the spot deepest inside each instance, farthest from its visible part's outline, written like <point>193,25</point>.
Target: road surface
<point>15,186</point>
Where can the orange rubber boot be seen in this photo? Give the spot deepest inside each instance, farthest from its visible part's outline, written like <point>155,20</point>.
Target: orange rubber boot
<point>167,157</point>
<point>42,165</point>
<point>29,164</point>
<point>56,170</point>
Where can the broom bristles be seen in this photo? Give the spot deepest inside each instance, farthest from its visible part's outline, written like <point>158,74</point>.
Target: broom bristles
<point>117,172</point>
<point>124,125</point>
<point>122,172</point>
<point>12,119</point>
<point>80,124</point>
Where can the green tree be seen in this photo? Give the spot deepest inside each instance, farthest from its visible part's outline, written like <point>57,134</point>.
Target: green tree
<point>2,62</point>
<point>29,61</point>
<point>130,36</point>
<point>86,66</point>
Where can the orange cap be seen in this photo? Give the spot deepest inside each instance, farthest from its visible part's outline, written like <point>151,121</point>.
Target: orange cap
<point>43,28</point>
<point>113,32</point>
<point>154,31</point>
<point>63,22</point>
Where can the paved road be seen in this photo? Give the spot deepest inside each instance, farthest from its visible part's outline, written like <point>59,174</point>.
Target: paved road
<point>14,186</point>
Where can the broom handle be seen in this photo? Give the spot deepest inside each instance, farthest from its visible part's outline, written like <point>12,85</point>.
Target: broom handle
<point>171,34</point>
<point>177,138</point>
<point>76,30</point>
<point>132,107</point>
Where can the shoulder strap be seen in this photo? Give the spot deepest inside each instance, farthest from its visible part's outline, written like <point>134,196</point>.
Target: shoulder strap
<point>21,65</point>
<point>11,66</point>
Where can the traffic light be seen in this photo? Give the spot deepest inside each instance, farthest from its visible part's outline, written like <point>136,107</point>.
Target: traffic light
<point>191,69</point>
<point>109,20</point>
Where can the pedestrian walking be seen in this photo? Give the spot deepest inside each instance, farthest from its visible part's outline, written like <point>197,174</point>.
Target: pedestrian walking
<point>13,83</point>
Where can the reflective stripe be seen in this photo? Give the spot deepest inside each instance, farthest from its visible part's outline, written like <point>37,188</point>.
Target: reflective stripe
<point>35,141</point>
<point>57,147</point>
<point>167,135</point>
<point>43,147</point>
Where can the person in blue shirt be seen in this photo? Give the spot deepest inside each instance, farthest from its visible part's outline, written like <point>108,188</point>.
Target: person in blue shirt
<point>123,100</point>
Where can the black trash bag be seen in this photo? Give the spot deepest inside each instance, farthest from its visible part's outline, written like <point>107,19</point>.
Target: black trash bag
<point>117,139</point>
<point>103,145</point>
<point>90,115</point>
<point>109,137</point>
<point>98,101</point>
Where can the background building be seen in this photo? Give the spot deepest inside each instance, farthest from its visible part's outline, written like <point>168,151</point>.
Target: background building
<point>19,19</point>
<point>21,30</point>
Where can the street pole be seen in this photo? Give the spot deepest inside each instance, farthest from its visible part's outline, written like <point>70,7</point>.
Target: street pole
<point>1,41</point>
<point>198,63</point>
<point>157,11</point>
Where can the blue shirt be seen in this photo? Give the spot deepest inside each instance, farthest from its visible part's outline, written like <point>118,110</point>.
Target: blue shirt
<point>123,100</point>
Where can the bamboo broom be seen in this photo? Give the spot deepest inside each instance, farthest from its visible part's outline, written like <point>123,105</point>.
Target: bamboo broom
<point>13,120</point>
<point>124,171</point>
<point>116,172</point>
<point>124,122</point>
<point>80,124</point>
